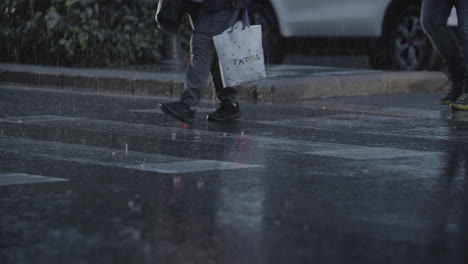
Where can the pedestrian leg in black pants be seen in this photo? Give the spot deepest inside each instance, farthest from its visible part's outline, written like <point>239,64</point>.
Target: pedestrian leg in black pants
<point>434,17</point>
<point>462,14</point>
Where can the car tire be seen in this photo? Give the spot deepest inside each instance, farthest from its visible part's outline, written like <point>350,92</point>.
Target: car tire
<point>404,45</point>
<point>262,14</point>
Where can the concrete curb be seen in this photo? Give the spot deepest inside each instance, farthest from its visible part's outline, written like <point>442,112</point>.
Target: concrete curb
<point>284,90</point>
<point>93,80</point>
<point>276,89</point>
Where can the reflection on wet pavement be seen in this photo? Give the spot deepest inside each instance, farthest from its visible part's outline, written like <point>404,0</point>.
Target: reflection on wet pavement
<point>101,179</point>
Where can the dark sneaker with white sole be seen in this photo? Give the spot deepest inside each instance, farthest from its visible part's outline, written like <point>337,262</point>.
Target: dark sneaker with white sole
<point>225,112</point>
<point>461,103</point>
<point>179,111</point>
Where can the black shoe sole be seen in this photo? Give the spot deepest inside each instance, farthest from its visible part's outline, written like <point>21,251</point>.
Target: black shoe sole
<point>175,115</point>
<point>212,119</point>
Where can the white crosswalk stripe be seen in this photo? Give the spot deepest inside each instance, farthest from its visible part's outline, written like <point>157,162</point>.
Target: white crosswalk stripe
<point>370,153</point>
<point>317,148</point>
<point>7,179</point>
<point>159,111</point>
<point>114,158</point>
<point>35,119</point>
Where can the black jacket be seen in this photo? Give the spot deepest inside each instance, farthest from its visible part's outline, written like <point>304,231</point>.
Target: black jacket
<point>221,4</point>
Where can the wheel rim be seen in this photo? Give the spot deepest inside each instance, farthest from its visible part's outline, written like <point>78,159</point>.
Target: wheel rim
<point>410,44</point>
<point>259,18</point>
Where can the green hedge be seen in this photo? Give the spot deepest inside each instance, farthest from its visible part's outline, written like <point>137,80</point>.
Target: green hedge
<point>84,32</point>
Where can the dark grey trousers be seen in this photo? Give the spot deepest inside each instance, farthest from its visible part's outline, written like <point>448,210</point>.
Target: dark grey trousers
<point>434,16</point>
<point>203,59</point>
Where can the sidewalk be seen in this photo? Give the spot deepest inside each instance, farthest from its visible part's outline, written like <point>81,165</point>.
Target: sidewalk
<point>285,83</point>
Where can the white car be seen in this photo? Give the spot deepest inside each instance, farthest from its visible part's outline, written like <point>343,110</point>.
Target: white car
<point>388,31</point>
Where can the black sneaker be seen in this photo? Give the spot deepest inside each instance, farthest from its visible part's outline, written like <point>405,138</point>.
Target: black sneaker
<point>225,112</point>
<point>178,111</point>
<point>456,75</point>
<point>461,103</point>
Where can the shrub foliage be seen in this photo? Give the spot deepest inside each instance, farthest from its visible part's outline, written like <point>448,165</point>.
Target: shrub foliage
<point>78,32</point>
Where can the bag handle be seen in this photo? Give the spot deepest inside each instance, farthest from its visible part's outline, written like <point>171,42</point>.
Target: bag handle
<point>245,19</point>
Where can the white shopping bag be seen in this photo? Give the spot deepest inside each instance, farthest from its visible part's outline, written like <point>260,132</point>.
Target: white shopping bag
<point>240,53</point>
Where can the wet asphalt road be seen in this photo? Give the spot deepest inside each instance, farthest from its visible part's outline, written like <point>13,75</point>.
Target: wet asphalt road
<point>86,178</point>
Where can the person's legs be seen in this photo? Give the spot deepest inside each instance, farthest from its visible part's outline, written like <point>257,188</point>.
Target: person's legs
<point>462,14</point>
<point>196,77</point>
<point>228,108</point>
<point>198,70</point>
<point>206,25</point>
<point>226,95</point>
<point>434,14</point>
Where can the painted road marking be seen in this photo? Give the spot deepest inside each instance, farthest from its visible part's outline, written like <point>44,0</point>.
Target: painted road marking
<point>413,112</point>
<point>338,122</point>
<point>212,137</point>
<point>192,166</point>
<point>359,123</point>
<point>35,119</point>
<point>158,111</point>
<point>411,127</point>
<point>374,110</point>
<point>370,153</point>
<point>182,134</point>
<point>7,179</point>
<point>114,158</point>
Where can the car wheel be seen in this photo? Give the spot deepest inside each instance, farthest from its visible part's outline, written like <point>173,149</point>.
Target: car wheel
<point>406,47</point>
<point>262,14</point>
